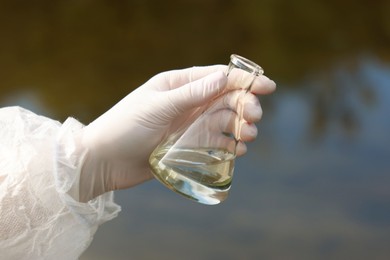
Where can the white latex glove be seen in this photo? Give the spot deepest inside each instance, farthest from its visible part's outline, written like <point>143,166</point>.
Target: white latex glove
<point>120,141</point>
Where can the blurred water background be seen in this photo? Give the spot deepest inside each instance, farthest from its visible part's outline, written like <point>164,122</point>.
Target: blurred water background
<point>314,185</point>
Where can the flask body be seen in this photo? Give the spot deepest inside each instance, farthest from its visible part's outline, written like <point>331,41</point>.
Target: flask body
<point>198,160</point>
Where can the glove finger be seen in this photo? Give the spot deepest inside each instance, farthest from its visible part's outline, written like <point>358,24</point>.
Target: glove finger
<point>241,149</point>
<point>246,103</point>
<point>178,78</point>
<point>197,93</point>
<point>260,85</point>
<point>228,123</point>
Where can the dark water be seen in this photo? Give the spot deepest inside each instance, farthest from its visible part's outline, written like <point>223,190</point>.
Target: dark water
<point>314,185</point>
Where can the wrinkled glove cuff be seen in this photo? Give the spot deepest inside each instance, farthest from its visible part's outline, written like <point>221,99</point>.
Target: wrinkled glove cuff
<point>70,156</point>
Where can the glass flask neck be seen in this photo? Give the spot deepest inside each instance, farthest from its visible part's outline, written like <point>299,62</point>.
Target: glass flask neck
<point>239,62</point>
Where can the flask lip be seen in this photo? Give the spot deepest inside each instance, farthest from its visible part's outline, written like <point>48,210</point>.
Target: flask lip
<point>245,64</point>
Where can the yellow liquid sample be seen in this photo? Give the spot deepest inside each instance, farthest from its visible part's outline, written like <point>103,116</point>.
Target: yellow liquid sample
<point>204,175</point>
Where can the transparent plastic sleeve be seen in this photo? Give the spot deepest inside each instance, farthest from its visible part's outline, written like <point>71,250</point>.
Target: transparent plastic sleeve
<point>38,166</point>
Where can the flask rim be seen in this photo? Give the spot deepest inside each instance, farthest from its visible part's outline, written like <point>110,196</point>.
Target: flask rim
<point>245,64</point>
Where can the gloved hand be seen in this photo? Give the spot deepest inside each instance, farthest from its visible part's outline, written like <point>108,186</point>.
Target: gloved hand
<point>119,142</point>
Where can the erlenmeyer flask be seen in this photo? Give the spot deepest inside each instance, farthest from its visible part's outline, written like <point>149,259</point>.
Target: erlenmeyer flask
<point>198,160</point>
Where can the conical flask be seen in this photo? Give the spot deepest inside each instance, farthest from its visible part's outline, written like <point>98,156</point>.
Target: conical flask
<point>198,160</point>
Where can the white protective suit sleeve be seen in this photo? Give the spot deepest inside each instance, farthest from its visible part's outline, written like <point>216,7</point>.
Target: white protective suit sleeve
<point>38,166</point>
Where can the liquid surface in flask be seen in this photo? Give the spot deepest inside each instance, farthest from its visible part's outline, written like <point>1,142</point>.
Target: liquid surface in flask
<point>203,175</point>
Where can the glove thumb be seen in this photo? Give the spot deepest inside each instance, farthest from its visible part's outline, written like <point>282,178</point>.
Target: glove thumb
<point>200,92</point>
